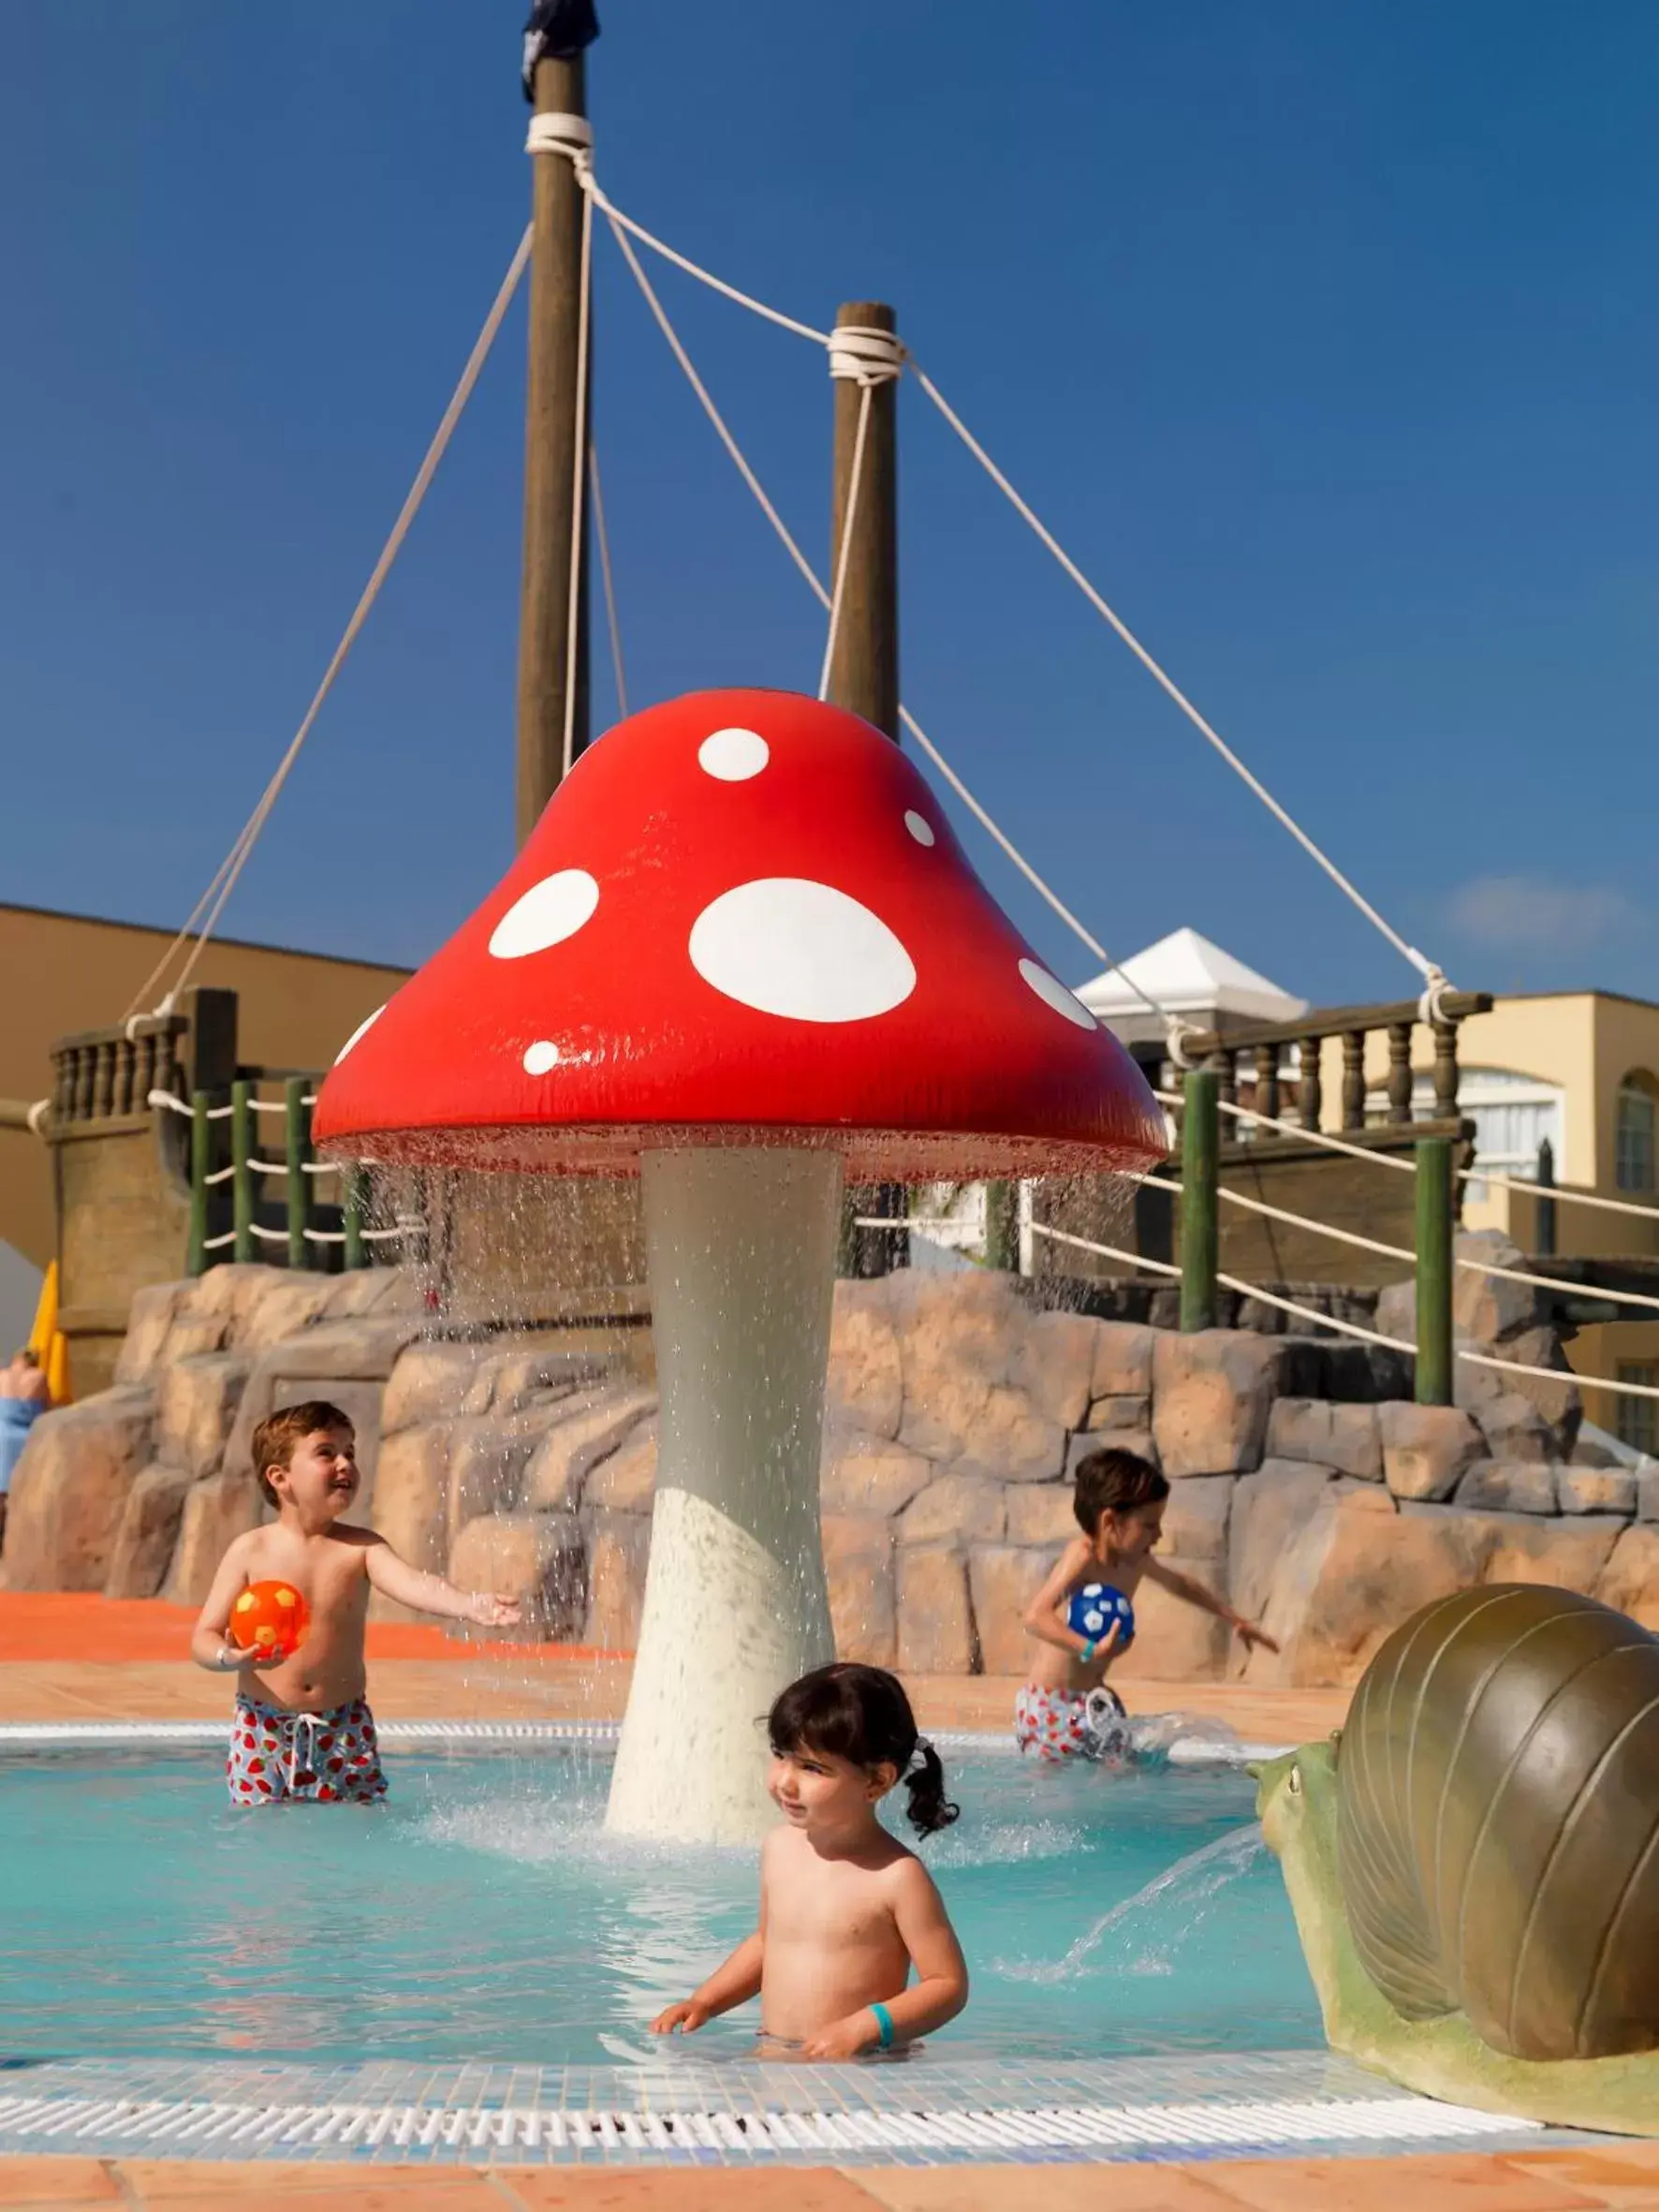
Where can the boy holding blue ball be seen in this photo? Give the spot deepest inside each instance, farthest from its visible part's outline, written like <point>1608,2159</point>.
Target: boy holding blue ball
<point>1084,1616</point>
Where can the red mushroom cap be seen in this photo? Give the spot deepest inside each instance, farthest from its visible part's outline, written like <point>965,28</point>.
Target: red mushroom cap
<point>743,917</point>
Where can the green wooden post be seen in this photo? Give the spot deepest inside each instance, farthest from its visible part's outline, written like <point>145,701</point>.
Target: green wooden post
<point>353,1205</point>
<point>1435,1271</point>
<point>297,1128</point>
<point>1002,1227</point>
<point>200,1155</point>
<point>1200,1145</point>
<point>242,1174</point>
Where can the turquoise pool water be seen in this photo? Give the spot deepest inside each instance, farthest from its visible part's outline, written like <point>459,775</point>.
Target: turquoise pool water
<point>483,1915</point>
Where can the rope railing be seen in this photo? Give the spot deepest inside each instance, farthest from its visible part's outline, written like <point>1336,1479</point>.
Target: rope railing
<point>1336,1322</point>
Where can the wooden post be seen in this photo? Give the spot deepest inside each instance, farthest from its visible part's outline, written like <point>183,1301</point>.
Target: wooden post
<point>864,664</point>
<point>1002,1227</point>
<point>200,1155</point>
<point>242,1174</point>
<point>553,454</point>
<point>1200,1145</point>
<point>1435,1271</point>
<point>297,1128</point>
<point>353,1205</point>
<point>1544,1210</point>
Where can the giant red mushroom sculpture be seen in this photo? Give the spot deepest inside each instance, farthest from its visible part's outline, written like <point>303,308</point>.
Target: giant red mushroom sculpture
<point>741,956</point>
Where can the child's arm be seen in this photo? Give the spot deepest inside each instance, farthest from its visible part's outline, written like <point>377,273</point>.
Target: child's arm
<point>733,1983</point>
<point>940,1989</point>
<point>1042,1617</point>
<point>430,1593</point>
<point>210,1644</point>
<point>1180,1585</point>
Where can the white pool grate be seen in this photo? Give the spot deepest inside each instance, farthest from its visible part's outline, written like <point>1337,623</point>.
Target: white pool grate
<point>137,1735</point>
<point>1014,2132</point>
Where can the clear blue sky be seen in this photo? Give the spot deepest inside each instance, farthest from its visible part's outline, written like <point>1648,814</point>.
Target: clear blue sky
<point>1326,336</point>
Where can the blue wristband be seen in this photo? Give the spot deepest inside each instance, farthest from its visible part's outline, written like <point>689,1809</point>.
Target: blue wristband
<point>884,2025</point>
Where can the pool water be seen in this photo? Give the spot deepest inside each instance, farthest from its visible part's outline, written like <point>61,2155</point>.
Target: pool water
<point>483,1914</point>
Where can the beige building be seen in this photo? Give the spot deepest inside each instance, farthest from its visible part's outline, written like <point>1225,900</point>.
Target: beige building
<point>70,972</point>
<point>1579,1070</point>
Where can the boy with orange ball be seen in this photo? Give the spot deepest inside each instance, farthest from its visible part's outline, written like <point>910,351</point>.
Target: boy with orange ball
<point>303,1728</point>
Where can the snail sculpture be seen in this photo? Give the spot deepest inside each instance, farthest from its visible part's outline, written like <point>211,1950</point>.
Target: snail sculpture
<point>1473,1860</point>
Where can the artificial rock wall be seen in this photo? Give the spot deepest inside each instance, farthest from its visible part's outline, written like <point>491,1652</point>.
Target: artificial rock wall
<point>1306,1488</point>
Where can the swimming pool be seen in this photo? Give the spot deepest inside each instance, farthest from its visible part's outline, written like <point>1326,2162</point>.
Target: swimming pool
<point>482,1915</point>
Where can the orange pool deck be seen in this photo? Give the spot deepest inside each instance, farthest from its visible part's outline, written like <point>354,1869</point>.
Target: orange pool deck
<point>1624,2174</point>
<point>70,1656</point>
<point>84,1658</point>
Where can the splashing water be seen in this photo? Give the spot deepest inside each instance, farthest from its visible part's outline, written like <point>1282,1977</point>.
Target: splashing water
<point>1191,1885</point>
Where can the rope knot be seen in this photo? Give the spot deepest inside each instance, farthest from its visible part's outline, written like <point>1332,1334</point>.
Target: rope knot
<point>1176,1032</point>
<point>1435,991</point>
<point>860,354</point>
<point>570,135</point>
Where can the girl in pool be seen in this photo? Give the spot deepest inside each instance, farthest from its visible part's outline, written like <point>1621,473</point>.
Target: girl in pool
<point>845,1909</point>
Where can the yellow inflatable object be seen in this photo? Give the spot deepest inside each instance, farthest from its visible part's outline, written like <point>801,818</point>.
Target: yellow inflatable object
<point>47,1341</point>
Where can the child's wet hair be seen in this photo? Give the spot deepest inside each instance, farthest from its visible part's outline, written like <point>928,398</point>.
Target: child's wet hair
<point>1114,1481</point>
<point>863,1715</point>
<point>277,1435</point>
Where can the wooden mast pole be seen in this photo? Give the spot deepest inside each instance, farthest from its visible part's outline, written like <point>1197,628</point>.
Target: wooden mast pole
<point>864,662</point>
<point>864,670</point>
<point>554,456</point>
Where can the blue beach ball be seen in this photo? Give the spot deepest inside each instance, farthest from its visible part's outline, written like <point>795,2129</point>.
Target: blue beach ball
<point>1093,1609</point>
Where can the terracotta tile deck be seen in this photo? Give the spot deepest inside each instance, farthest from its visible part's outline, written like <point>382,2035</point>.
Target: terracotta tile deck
<point>67,1656</point>
<point>1562,2181</point>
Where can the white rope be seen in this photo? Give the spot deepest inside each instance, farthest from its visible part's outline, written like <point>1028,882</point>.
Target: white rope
<point>1173,1022</point>
<point>218,890</point>
<point>1431,973</point>
<point>214,1244</point>
<point>854,478</point>
<point>224,1174</point>
<point>1369,1244</point>
<point>861,353</point>
<point>1343,1328</point>
<point>784,322</point>
<point>713,412</point>
<point>1292,1129</point>
<point>184,1107</point>
<point>1555,1190</point>
<point>610,617</point>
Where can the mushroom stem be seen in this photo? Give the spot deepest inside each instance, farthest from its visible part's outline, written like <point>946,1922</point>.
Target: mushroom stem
<point>740,1248</point>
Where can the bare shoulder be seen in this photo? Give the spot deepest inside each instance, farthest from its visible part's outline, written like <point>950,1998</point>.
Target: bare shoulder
<point>356,1539</point>
<point>243,1549</point>
<point>907,1881</point>
<point>1077,1557</point>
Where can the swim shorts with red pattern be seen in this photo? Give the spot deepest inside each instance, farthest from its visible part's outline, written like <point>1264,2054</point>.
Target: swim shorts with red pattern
<point>327,1758</point>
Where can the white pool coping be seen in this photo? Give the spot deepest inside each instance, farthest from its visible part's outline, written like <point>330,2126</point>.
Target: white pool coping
<point>23,1736</point>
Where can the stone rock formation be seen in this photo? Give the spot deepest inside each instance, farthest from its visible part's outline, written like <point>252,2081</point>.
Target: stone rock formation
<point>1303,1489</point>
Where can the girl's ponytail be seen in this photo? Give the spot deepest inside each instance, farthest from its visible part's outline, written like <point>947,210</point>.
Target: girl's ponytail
<point>929,1809</point>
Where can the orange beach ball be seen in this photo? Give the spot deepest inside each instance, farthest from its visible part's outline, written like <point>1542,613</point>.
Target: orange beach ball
<point>270,1619</point>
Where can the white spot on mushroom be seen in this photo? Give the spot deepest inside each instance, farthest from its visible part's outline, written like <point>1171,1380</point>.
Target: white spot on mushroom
<point>733,755</point>
<point>541,1056</point>
<point>1054,993</point>
<point>919,826</point>
<point>549,912</point>
<point>358,1034</point>
<point>785,945</point>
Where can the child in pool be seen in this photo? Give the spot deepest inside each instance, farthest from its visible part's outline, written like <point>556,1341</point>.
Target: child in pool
<point>845,1910</point>
<point>1119,1503</point>
<point>302,1727</point>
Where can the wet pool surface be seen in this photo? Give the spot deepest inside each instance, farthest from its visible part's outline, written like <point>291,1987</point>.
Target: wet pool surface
<point>482,1915</point>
